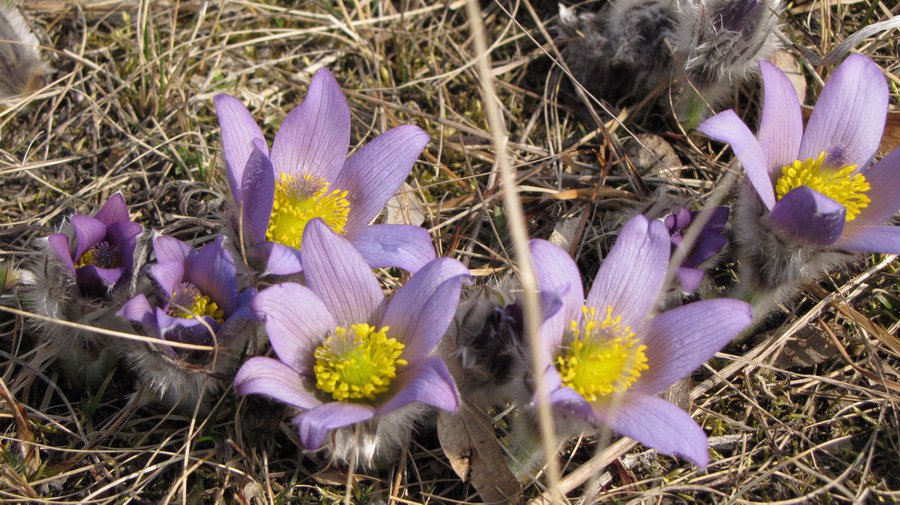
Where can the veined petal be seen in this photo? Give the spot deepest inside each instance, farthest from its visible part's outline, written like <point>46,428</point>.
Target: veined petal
<point>394,245</point>
<point>727,127</point>
<point>59,246</point>
<point>213,271</point>
<point>279,259</point>
<point>138,309</point>
<point>273,379</point>
<point>113,211</point>
<point>88,233</point>
<point>170,249</point>
<point>258,188</point>
<point>313,425</point>
<point>167,276</point>
<point>557,273</point>
<point>689,278</point>
<point>124,235</point>
<point>870,239</point>
<point>781,127</point>
<point>884,178</point>
<point>569,407</point>
<point>239,131</point>
<point>428,382</point>
<point>808,216</point>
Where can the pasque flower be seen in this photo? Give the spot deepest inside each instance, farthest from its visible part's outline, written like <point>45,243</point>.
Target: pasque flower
<point>346,354</point>
<point>816,185</point>
<point>307,175</point>
<point>709,242</point>
<point>608,356</point>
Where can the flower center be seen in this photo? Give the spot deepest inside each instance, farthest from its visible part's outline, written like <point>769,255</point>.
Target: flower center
<point>839,184</point>
<point>300,200</point>
<point>188,300</point>
<point>604,357</point>
<point>102,255</point>
<point>358,362</point>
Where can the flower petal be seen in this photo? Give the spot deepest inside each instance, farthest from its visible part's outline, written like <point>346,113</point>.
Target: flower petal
<point>213,271</point>
<point>689,278</point>
<point>848,119</point>
<point>682,339</point>
<point>97,281</point>
<point>394,245</point>
<point>113,211</point>
<point>374,173</point>
<point>315,136</point>
<point>138,309</point>
<point>657,424</point>
<point>239,131</point>
<point>313,425</point>
<point>337,274</point>
<point>419,312</point>
<point>258,188</point>
<point>296,321</point>
<point>570,409</point>
<point>88,233</point>
<point>273,379</point>
<point>168,276</point>
<point>781,127</point>
<point>428,382</point>
<point>124,235</point>
<point>557,273</point>
<point>870,239</point>
<point>59,246</point>
<point>632,275</point>
<point>170,249</point>
<point>884,177</point>
<point>279,259</point>
<point>808,216</point>
<point>727,127</point>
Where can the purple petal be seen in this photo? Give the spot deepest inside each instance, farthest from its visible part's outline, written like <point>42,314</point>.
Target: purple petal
<point>88,233</point>
<point>884,177</point>
<point>374,173</point>
<point>632,275</point>
<point>711,239</point>
<point>59,246</point>
<point>168,276</point>
<point>808,216</point>
<point>689,278</point>
<point>659,425</point>
<point>428,382</point>
<point>239,131</point>
<point>124,235</point>
<point>419,312</point>
<point>258,188</point>
<point>113,211</point>
<point>313,425</point>
<point>848,119</point>
<point>337,274</point>
<point>557,273</point>
<point>138,309</point>
<point>296,321</point>
<point>781,127</point>
<point>727,127</point>
<point>170,249</point>
<point>212,270</point>
<point>279,259</point>
<point>180,329</point>
<point>97,281</point>
<point>315,136</point>
<point>273,379</point>
<point>394,245</point>
<point>569,407</point>
<point>870,239</point>
<point>682,339</point>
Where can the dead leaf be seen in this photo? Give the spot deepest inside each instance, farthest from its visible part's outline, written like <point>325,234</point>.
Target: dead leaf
<point>809,346</point>
<point>891,138</point>
<point>794,71</point>
<point>651,154</point>
<point>405,207</point>
<point>467,438</point>
<point>680,393</point>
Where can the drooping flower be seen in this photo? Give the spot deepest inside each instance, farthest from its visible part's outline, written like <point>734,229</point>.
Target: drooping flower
<point>346,355</point>
<point>307,175</point>
<point>710,242</point>
<point>608,356</point>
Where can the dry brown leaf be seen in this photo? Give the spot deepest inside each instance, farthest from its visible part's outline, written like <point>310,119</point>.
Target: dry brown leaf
<point>651,154</point>
<point>405,207</point>
<point>891,138</point>
<point>794,71</point>
<point>808,346</point>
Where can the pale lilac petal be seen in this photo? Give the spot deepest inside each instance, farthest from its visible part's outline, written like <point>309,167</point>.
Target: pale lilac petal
<point>727,127</point>
<point>808,216</point>
<point>113,211</point>
<point>870,239</point>
<point>419,312</point>
<point>659,425</point>
<point>689,278</point>
<point>213,271</point>
<point>848,119</point>
<point>297,322</point>
<point>315,136</point>
<point>180,329</point>
<point>239,130</point>
<point>374,173</point>
<point>336,273</point>
<point>557,273</point>
<point>682,339</point>
<point>633,273</point>
<point>59,246</point>
<point>884,177</point>
<point>97,281</point>
<point>781,127</point>
<point>258,188</point>
<point>170,249</point>
<point>428,382</point>
<point>394,245</point>
<point>313,425</point>
<point>279,259</point>
<point>88,233</point>
<point>138,309</point>
<point>273,379</point>
<point>569,407</point>
<point>168,276</point>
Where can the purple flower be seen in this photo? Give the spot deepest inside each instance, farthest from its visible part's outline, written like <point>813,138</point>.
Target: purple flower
<point>607,357</point>
<point>709,243</point>
<point>347,355</point>
<point>198,291</point>
<point>104,247</point>
<point>307,175</point>
<point>816,185</point>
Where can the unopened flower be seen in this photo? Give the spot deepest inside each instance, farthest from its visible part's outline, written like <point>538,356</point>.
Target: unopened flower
<point>23,68</point>
<point>608,356</point>
<point>347,356</point>
<point>709,243</point>
<point>307,175</point>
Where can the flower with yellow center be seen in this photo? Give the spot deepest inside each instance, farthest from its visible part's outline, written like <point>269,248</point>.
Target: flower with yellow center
<point>188,301</point>
<point>297,201</point>
<point>603,357</point>
<point>840,184</point>
<point>102,255</point>
<point>357,362</point>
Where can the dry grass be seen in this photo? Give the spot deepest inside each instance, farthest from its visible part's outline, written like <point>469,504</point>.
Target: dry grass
<point>130,109</point>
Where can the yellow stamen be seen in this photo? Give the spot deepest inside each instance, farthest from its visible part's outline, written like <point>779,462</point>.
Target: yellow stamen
<point>187,300</point>
<point>839,184</point>
<point>358,362</point>
<point>102,255</point>
<point>603,357</point>
<point>300,200</point>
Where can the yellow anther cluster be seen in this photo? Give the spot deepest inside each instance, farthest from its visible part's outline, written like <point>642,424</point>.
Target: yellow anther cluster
<point>603,356</point>
<point>358,362</point>
<point>103,255</point>
<point>839,184</point>
<point>87,258</point>
<point>199,304</point>
<point>298,200</point>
